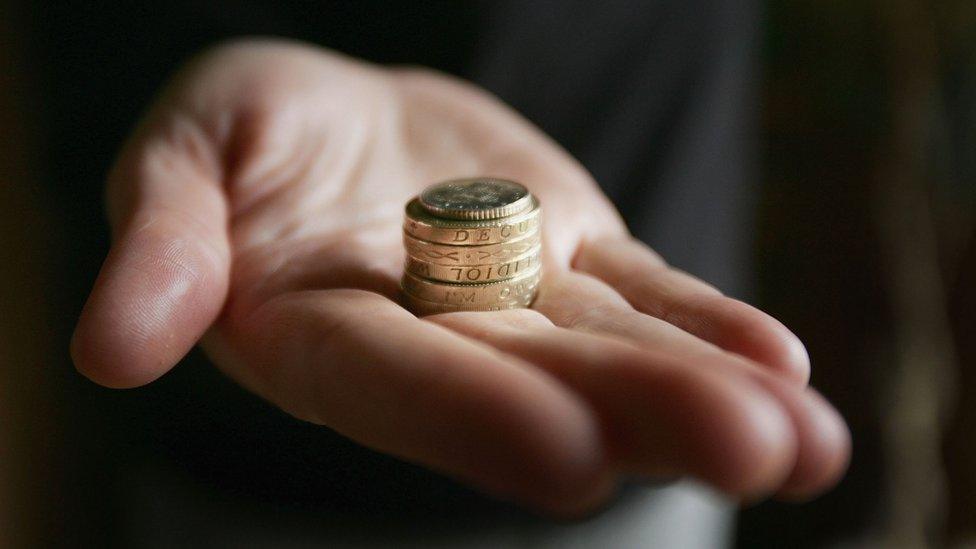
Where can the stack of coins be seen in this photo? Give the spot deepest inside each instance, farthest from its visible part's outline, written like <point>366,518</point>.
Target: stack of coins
<point>472,245</point>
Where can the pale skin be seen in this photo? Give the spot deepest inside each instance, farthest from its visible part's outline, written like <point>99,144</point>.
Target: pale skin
<point>257,211</point>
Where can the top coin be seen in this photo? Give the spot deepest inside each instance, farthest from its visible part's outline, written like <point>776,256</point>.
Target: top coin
<point>475,198</point>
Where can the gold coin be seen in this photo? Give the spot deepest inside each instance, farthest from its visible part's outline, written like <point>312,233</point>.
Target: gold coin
<point>445,254</point>
<point>471,245</point>
<point>422,307</point>
<point>474,273</point>
<point>476,198</point>
<point>473,295</point>
<point>425,226</point>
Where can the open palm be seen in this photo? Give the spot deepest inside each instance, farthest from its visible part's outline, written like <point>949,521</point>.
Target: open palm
<point>257,209</point>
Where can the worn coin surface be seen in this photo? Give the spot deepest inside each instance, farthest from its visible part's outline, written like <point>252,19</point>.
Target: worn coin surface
<point>471,244</point>
<point>475,198</point>
<point>474,273</point>
<point>473,295</point>
<point>421,224</point>
<point>445,254</point>
<point>424,307</point>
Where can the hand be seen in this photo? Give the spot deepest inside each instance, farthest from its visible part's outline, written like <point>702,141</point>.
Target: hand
<point>258,208</point>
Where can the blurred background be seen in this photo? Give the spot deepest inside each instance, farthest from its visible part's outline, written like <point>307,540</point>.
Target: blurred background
<point>866,248</point>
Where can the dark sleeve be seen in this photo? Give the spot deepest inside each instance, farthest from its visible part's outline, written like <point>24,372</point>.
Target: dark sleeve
<point>659,101</point>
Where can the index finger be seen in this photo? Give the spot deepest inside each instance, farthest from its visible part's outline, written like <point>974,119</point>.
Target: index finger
<point>652,287</point>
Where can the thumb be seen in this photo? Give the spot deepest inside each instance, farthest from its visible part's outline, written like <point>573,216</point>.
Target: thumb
<point>166,276</point>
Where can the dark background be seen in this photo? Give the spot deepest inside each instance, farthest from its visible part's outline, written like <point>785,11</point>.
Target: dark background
<point>866,248</point>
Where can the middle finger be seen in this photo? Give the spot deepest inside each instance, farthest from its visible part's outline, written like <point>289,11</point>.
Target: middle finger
<point>584,303</point>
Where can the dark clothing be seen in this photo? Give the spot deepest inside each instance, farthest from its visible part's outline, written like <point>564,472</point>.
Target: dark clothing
<point>655,98</point>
